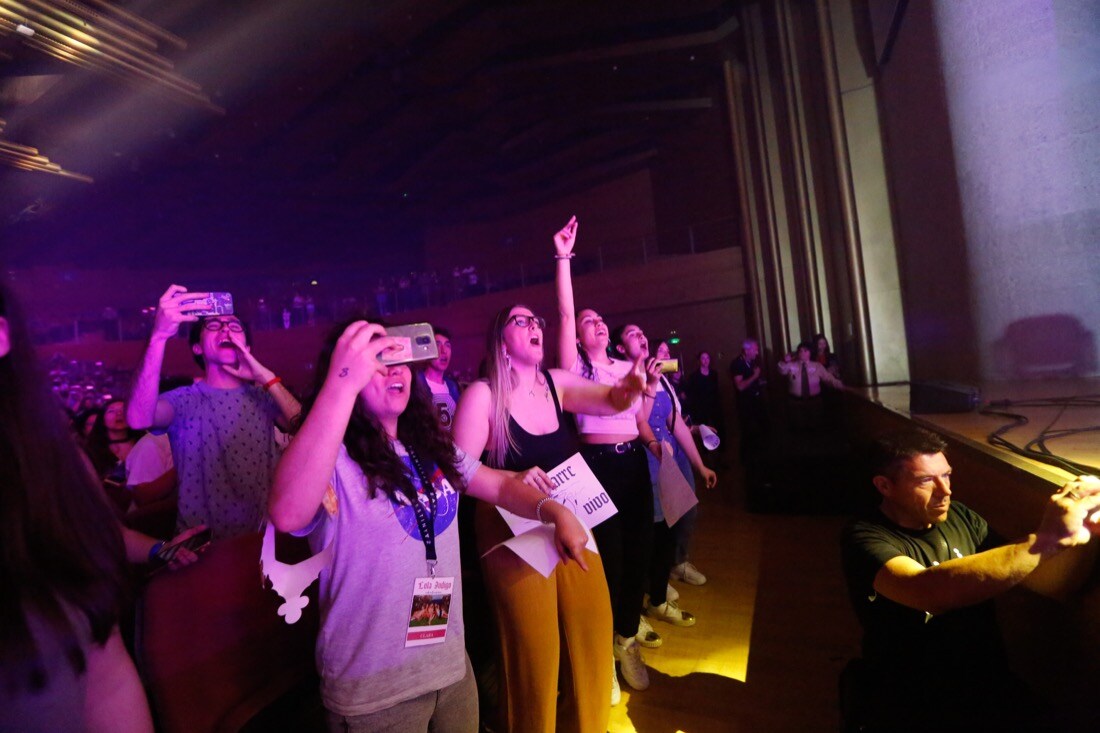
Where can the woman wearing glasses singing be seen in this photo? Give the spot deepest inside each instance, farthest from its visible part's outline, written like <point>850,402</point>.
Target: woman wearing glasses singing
<point>618,458</point>
<point>515,417</point>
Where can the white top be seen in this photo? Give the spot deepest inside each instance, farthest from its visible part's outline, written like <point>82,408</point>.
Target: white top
<point>621,423</point>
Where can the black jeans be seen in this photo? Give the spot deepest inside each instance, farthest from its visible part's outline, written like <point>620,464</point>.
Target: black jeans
<point>625,540</point>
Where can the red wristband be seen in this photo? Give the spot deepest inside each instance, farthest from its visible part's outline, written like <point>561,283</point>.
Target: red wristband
<point>272,383</point>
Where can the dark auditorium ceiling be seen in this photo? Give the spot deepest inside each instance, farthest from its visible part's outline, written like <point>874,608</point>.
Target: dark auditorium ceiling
<point>348,124</point>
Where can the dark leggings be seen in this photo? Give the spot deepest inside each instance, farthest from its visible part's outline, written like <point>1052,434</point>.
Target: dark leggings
<point>664,552</point>
<point>625,539</point>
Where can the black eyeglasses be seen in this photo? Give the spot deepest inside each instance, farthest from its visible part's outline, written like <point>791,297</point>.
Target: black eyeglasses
<point>525,321</point>
<point>233,326</point>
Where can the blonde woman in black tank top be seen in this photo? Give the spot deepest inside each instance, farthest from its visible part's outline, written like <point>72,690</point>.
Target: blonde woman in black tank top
<point>516,418</point>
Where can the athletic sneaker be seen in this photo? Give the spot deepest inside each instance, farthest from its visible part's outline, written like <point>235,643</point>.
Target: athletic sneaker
<point>616,693</point>
<point>631,664</point>
<point>646,636</point>
<point>688,573</point>
<point>671,594</point>
<point>673,614</point>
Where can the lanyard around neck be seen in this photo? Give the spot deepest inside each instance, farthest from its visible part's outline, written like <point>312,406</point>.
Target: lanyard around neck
<point>425,521</point>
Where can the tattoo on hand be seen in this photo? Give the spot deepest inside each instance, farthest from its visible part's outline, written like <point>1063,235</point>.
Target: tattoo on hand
<point>343,372</point>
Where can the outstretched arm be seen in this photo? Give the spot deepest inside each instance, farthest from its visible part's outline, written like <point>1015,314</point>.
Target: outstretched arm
<point>579,395</point>
<point>304,470</point>
<point>969,580</point>
<point>567,316</point>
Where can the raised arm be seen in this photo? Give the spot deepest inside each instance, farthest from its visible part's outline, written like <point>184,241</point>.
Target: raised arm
<point>144,409</point>
<point>969,580</point>
<point>567,316</point>
<point>306,467</point>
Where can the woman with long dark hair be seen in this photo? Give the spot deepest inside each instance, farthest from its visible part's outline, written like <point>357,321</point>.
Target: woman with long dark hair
<point>62,566</point>
<point>617,457</point>
<point>373,474</point>
<point>665,426</point>
<point>517,417</point>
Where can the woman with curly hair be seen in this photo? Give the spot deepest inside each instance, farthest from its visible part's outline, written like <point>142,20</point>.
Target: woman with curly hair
<point>373,474</point>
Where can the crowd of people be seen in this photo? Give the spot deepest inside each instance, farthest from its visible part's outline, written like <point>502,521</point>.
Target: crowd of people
<point>374,466</point>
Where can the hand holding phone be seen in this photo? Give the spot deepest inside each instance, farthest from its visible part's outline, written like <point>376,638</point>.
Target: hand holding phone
<point>182,549</point>
<point>214,304</point>
<point>670,365</point>
<point>416,341</point>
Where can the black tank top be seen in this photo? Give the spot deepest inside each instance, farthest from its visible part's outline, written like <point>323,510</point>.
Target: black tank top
<point>544,451</point>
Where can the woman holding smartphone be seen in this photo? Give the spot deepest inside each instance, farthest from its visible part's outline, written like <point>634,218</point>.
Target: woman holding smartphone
<point>664,426</point>
<point>516,416</point>
<point>617,457</point>
<point>373,474</point>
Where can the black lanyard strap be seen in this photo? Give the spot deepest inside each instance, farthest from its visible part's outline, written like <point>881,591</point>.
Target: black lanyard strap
<point>425,520</point>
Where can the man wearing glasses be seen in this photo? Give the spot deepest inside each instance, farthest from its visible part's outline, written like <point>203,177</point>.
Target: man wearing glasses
<point>221,427</point>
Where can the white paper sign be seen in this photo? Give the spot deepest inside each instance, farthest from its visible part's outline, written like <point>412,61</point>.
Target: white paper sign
<point>577,489</point>
<point>676,495</point>
<point>536,548</point>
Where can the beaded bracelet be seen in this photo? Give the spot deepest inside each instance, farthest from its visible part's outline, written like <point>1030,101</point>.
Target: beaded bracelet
<point>538,509</point>
<point>569,256</point>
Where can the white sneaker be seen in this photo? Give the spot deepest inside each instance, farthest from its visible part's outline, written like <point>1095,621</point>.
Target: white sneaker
<point>688,573</point>
<point>631,664</point>
<point>616,692</point>
<point>646,636</point>
<point>673,614</point>
<point>671,594</point>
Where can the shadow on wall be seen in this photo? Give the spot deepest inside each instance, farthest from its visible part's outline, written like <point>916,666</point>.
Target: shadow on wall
<point>1054,345</point>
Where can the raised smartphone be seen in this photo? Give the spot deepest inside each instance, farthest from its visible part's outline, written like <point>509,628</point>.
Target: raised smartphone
<point>218,304</point>
<point>417,342</point>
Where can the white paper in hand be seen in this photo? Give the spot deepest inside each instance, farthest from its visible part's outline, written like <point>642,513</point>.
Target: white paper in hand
<point>677,496</point>
<point>577,489</point>
<point>536,548</point>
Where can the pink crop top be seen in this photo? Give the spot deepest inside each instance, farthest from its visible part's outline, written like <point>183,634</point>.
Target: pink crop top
<point>622,423</point>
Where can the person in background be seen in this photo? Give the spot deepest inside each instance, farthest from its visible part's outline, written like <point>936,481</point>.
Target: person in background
<point>442,386</point>
<point>704,397</point>
<point>824,355</point>
<point>804,375</point>
<point>221,428</point>
<point>373,473</point>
